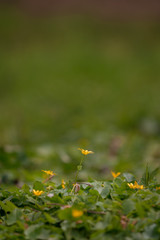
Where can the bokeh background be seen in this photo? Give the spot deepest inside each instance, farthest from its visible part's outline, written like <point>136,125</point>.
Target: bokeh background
<point>79,74</point>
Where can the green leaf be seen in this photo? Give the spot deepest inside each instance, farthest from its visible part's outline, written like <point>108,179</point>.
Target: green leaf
<point>117,182</point>
<point>154,173</point>
<point>7,206</point>
<point>49,218</point>
<point>152,231</point>
<point>65,214</point>
<point>56,199</point>
<point>38,186</point>
<point>129,177</point>
<point>140,209</point>
<point>84,186</point>
<point>128,206</point>
<point>26,188</point>
<point>31,200</point>
<point>33,231</point>
<point>105,192</point>
<point>146,176</point>
<point>99,186</point>
<point>10,205</point>
<point>14,216</point>
<point>44,234</point>
<point>93,192</point>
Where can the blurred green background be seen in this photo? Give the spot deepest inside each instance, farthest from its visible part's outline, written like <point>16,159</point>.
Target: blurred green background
<point>69,81</point>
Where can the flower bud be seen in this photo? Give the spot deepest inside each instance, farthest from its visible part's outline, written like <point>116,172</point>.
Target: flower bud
<point>77,188</point>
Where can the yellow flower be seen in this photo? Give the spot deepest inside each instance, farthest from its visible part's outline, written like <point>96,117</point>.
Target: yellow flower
<point>49,172</point>
<point>157,188</point>
<point>135,185</point>
<point>115,174</point>
<point>140,187</point>
<point>77,213</point>
<point>63,184</point>
<point>37,192</point>
<point>85,152</point>
<point>131,185</point>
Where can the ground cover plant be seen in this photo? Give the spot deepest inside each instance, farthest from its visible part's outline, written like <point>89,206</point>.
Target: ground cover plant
<point>74,82</point>
<point>123,207</point>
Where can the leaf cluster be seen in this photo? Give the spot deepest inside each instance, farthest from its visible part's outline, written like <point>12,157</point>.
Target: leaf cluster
<point>110,210</point>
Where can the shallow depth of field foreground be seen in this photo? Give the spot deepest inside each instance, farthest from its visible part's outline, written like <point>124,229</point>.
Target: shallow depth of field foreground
<point>79,120</point>
<point>120,208</point>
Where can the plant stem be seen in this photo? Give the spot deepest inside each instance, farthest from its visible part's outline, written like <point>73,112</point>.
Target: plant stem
<point>79,167</point>
<point>48,179</point>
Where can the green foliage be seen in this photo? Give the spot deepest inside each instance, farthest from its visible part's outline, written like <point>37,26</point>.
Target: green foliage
<point>149,175</point>
<point>110,70</point>
<point>128,206</point>
<point>99,210</point>
<point>38,186</point>
<point>129,177</point>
